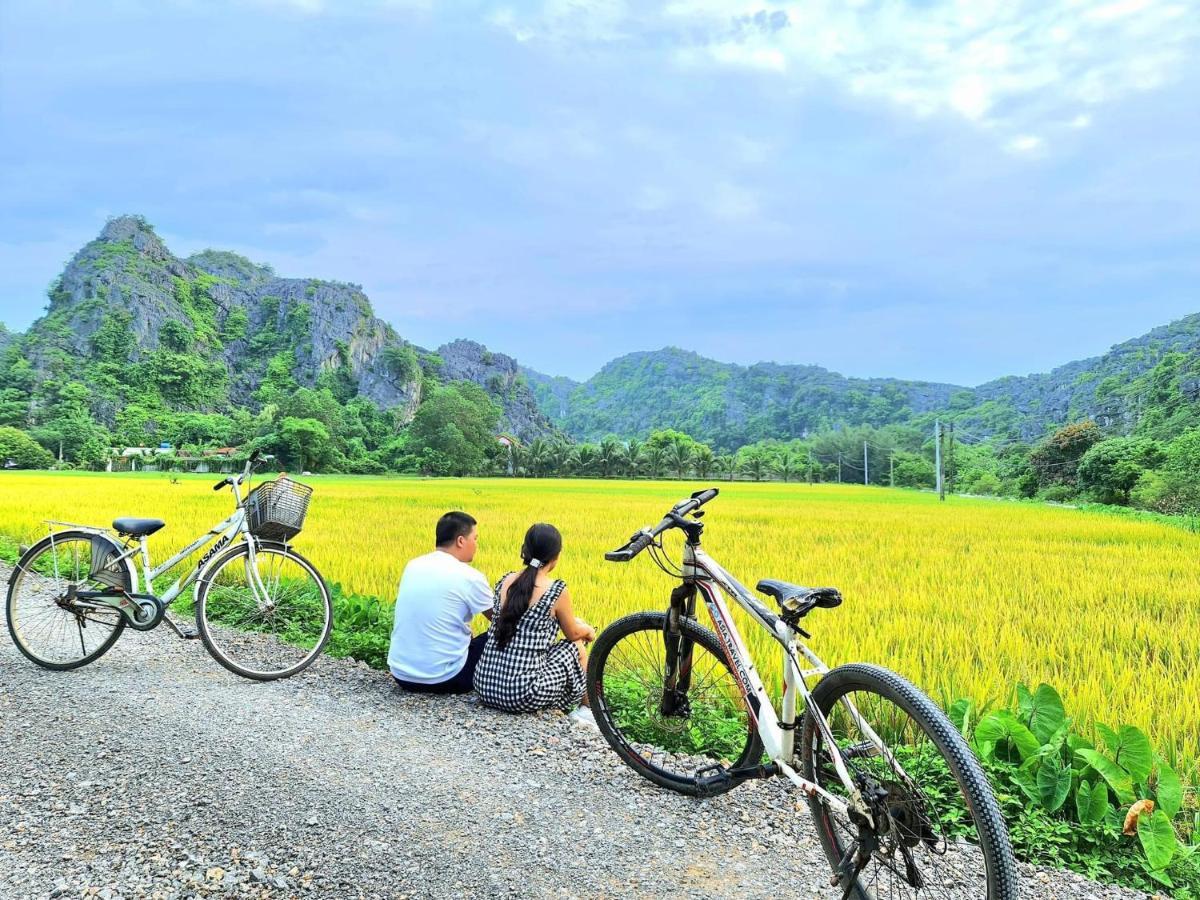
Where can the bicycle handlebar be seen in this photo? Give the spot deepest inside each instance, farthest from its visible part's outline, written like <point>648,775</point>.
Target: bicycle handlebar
<point>644,538</point>
<point>255,458</point>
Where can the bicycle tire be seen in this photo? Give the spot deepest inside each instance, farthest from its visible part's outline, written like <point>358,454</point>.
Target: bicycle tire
<point>23,566</point>
<point>980,802</point>
<point>213,646</point>
<point>623,746</point>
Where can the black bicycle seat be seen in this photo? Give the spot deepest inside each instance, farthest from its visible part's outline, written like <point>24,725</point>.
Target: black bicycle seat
<point>137,527</point>
<point>794,598</point>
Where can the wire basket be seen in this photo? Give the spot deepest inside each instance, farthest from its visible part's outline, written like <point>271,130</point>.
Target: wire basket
<point>275,510</point>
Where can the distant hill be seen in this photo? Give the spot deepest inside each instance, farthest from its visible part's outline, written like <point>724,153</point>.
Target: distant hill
<point>138,325</point>
<point>217,325</point>
<point>1145,382</point>
<point>725,404</point>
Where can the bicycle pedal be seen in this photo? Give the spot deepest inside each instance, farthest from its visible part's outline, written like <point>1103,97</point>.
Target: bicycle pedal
<point>187,632</point>
<point>707,784</point>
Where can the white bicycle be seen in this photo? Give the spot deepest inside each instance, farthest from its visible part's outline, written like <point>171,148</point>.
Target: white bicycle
<point>901,805</point>
<point>262,610</point>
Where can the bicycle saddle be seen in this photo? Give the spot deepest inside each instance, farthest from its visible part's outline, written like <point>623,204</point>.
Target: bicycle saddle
<point>137,527</point>
<point>799,600</point>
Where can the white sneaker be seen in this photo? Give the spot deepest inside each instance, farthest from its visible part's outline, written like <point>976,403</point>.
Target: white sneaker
<point>582,715</point>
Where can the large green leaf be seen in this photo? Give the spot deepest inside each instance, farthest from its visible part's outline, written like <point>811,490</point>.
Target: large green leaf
<point>1091,801</point>
<point>1116,777</point>
<point>1158,839</point>
<point>1046,713</point>
<point>1053,783</point>
<point>1168,791</point>
<point>1133,753</point>
<point>1108,736</point>
<point>1003,725</point>
<point>962,714</point>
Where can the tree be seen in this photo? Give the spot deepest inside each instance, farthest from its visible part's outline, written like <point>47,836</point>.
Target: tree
<point>727,465</point>
<point>23,450</point>
<point>1056,459</point>
<point>307,442</point>
<point>787,465</point>
<point>609,456</point>
<point>913,470</point>
<point>679,456</point>
<point>755,463</point>
<point>635,457</point>
<point>1111,468</point>
<point>453,430</point>
<point>703,461</point>
<point>656,461</point>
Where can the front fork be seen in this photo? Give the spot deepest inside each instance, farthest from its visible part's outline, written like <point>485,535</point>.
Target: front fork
<point>677,679</point>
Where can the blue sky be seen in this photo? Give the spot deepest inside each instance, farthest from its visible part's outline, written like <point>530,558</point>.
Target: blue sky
<point>944,191</point>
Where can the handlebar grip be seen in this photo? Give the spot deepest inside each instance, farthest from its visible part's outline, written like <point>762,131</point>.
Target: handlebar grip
<point>704,496</point>
<point>220,484</point>
<point>640,542</point>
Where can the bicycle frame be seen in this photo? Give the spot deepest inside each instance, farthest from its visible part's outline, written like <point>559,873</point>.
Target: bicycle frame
<point>224,533</point>
<point>778,735</point>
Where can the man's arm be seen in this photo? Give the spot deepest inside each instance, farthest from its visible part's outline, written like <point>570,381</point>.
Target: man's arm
<point>481,599</point>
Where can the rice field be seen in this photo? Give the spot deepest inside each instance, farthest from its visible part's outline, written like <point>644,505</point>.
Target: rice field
<point>965,597</point>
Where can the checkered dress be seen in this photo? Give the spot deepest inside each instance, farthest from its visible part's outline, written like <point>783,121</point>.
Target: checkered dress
<point>534,670</point>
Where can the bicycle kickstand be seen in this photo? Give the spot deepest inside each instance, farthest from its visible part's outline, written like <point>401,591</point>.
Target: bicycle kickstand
<point>187,632</point>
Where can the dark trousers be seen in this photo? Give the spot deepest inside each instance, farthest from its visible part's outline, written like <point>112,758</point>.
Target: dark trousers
<point>456,684</point>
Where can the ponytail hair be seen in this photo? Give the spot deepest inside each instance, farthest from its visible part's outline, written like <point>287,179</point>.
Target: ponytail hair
<point>543,544</point>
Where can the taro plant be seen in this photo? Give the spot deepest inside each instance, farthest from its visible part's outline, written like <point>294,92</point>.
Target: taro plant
<point>1118,788</point>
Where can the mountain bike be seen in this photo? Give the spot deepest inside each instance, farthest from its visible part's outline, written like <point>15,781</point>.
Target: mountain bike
<point>901,805</point>
<point>262,610</point>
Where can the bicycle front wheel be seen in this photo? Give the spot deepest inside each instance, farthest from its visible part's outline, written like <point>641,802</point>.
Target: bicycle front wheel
<point>263,611</point>
<point>942,831</point>
<point>681,735</point>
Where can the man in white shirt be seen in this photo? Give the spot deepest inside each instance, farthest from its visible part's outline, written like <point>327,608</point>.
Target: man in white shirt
<point>440,593</point>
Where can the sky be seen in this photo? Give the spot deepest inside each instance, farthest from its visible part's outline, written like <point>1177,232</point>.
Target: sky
<point>943,191</point>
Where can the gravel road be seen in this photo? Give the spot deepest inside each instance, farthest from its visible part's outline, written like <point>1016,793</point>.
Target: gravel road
<point>156,773</point>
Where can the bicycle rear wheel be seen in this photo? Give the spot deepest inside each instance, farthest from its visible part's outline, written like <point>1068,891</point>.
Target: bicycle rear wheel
<point>944,831</point>
<point>677,736</point>
<point>47,624</point>
<point>264,616</point>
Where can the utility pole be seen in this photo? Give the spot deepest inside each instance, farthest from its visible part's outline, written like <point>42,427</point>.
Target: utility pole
<point>937,457</point>
<point>839,467</point>
<point>950,459</point>
<point>810,468</point>
<point>866,465</point>
<point>892,469</point>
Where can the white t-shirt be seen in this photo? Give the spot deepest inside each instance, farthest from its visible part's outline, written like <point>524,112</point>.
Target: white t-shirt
<point>438,597</point>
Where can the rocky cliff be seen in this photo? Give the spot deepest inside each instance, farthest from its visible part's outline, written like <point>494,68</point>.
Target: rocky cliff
<point>222,320</point>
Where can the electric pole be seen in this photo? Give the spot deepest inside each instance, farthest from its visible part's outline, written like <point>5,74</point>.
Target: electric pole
<point>810,468</point>
<point>951,471</point>
<point>839,467</point>
<point>892,469</point>
<point>937,457</point>
<point>866,465</point>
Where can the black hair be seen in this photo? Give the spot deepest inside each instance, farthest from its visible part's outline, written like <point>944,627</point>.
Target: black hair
<point>542,543</point>
<point>452,526</point>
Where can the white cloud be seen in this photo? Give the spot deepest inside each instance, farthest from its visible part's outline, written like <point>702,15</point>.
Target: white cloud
<point>1024,143</point>
<point>1003,66</point>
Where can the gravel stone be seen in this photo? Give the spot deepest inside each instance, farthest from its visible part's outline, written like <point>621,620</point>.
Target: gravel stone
<point>154,774</point>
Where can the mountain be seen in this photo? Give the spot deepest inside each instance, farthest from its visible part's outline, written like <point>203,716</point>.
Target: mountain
<point>726,404</point>
<point>1149,383</point>
<point>128,318</point>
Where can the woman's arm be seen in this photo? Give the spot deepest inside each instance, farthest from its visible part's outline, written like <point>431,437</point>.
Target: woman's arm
<point>572,628</point>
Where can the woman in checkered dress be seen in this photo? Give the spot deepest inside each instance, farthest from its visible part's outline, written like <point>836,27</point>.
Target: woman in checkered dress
<point>525,665</point>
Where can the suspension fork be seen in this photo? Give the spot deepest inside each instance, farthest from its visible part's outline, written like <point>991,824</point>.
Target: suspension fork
<point>677,678</point>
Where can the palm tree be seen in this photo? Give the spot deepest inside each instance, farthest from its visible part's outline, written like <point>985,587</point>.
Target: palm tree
<point>635,457</point>
<point>787,465</point>
<point>539,457</point>
<point>703,460</point>
<point>726,464</point>
<point>609,457</point>
<point>680,458</point>
<point>583,459</point>
<point>756,465</point>
<point>656,460</point>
